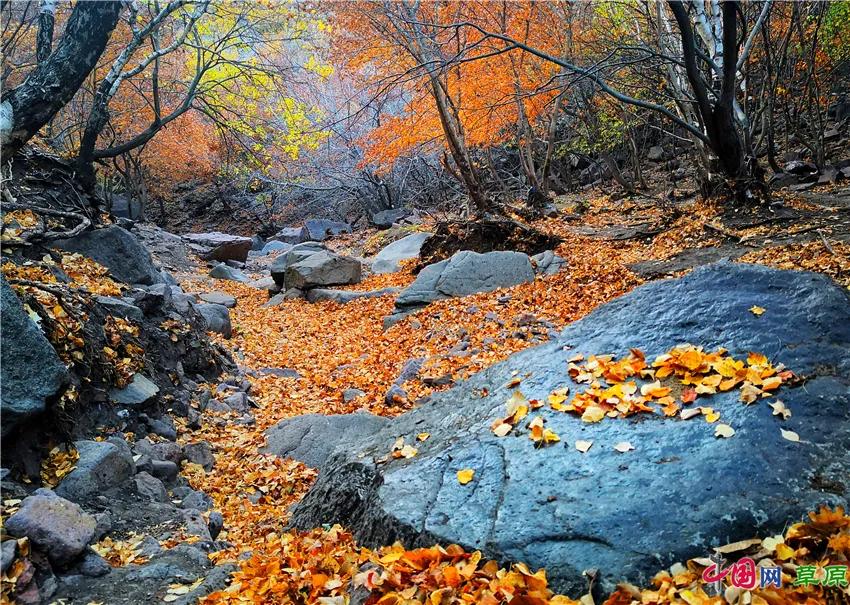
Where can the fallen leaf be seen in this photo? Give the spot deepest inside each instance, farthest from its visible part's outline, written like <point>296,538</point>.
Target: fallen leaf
<point>465,475</point>
<point>624,446</point>
<point>756,310</point>
<point>593,414</point>
<point>583,446</point>
<point>723,430</point>
<point>790,435</point>
<point>779,409</point>
<point>422,436</point>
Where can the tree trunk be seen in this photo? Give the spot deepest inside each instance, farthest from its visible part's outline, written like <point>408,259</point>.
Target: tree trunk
<point>44,38</point>
<point>32,104</point>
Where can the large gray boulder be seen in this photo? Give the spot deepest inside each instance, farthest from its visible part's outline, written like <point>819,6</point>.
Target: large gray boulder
<point>118,250</point>
<point>275,246</point>
<point>139,392</point>
<point>216,245</point>
<point>466,273</point>
<point>318,230</point>
<point>346,296</point>
<point>679,493</point>
<point>386,218</point>
<point>54,525</point>
<point>311,438</point>
<point>296,254</point>
<point>101,466</point>
<point>291,235</point>
<point>323,269</point>
<point>388,259</point>
<point>222,271</point>
<point>30,369</point>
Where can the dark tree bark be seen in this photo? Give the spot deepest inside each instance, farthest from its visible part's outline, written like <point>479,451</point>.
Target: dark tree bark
<point>44,38</point>
<point>29,106</point>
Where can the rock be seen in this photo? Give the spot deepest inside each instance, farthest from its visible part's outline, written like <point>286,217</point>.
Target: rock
<point>54,525</point>
<point>121,308</point>
<point>678,494</point>
<point>125,207</point>
<point>409,370</point>
<point>102,465</point>
<point>312,437</point>
<point>118,250</point>
<point>222,271</point>
<point>237,401</point>
<point>318,230</point>
<point>164,427</point>
<point>832,134</point>
<point>466,273</point>
<point>346,296</point>
<point>137,393</point>
<point>781,180</point>
<point>221,246</point>
<point>395,395</point>
<point>322,269</point>
<point>195,525</point>
<point>216,524</point>
<point>547,263</point>
<point>276,246</point>
<point>93,565</point>
<point>389,258</point>
<point>800,168</point>
<point>150,488</point>
<point>291,235</point>
<point>257,242</point>
<point>265,283</point>
<point>656,153</point>
<point>298,253</point>
<point>830,175</point>
<point>385,218</point>
<point>165,470</point>
<point>165,450</point>
<point>217,406</point>
<point>8,552</point>
<point>349,395</point>
<point>196,500</point>
<point>218,298</point>
<point>31,371</point>
<point>201,453</point>
<point>279,372</point>
<point>217,318</point>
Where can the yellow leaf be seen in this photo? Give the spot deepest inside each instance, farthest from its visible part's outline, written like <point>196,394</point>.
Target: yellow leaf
<point>723,430</point>
<point>756,310</point>
<point>422,436</point>
<point>465,475</point>
<point>593,414</point>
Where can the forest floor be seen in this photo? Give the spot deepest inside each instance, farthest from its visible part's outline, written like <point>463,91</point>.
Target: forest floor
<point>610,249</point>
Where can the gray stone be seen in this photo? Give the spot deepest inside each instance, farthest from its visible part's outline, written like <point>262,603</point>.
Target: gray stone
<point>291,235</point>
<point>385,218</point>
<point>150,488</point>
<point>221,246</point>
<point>222,271</point>
<point>296,254</point>
<point>801,168</point>
<point>166,470</point>
<point>93,565</point>
<point>346,296</point>
<point>102,465</point>
<point>279,372</point>
<point>8,550</point>
<point>118,250</point>
<point>323,269</point>
<point>349,395</point>
<point>195,525</point>
<point>216,524</point>
<point>318,230</point>
<point>237,401</point>
<point>257,242</point>
<point>395,395</point>
<point>164,427</point>
<point>165,450</point>
<point>466,273</point>
<point>265,283</point>
<point>196,500</point>
<point>680,493</point>
<point>125,207</point>
<point>311,438</point>
<point>58,527</point>
<point>547,263</point>
<point>389,258</point>
<point>276,246</point>
<point>121,308</point>
<point>656,153</point>
<point>201,453</point>
<point>217,318</point>
<point>31,370</point>
<point>138,392</point>
<point>218,298</point>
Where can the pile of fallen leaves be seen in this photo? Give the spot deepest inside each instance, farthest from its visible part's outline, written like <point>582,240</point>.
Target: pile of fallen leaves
<point>59,462</point>
<point>611,394</point>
